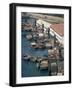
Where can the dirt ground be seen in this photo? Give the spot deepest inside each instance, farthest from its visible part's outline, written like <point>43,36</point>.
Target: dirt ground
<point>49,18</point>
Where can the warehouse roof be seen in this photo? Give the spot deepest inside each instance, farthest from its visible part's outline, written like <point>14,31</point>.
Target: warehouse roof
<point>58,28</point>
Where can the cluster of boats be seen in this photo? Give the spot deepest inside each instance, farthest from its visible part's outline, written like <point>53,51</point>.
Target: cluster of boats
<point>41,40</point>
<point>41,62</point>
<point>27,26</point>
<point>45,63</point>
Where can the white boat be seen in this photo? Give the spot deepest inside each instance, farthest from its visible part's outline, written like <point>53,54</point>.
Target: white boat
<point>48,45</point>
<point>33,44</point>
<point>43,64</point>
<point>41,35</point>
<point>29,36</point>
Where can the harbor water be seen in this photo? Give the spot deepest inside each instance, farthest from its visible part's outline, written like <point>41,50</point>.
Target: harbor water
<point>29,69</point>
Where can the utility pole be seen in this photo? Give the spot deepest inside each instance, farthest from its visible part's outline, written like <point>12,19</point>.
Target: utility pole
<point>49,32</point>
<point>43,27</point>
